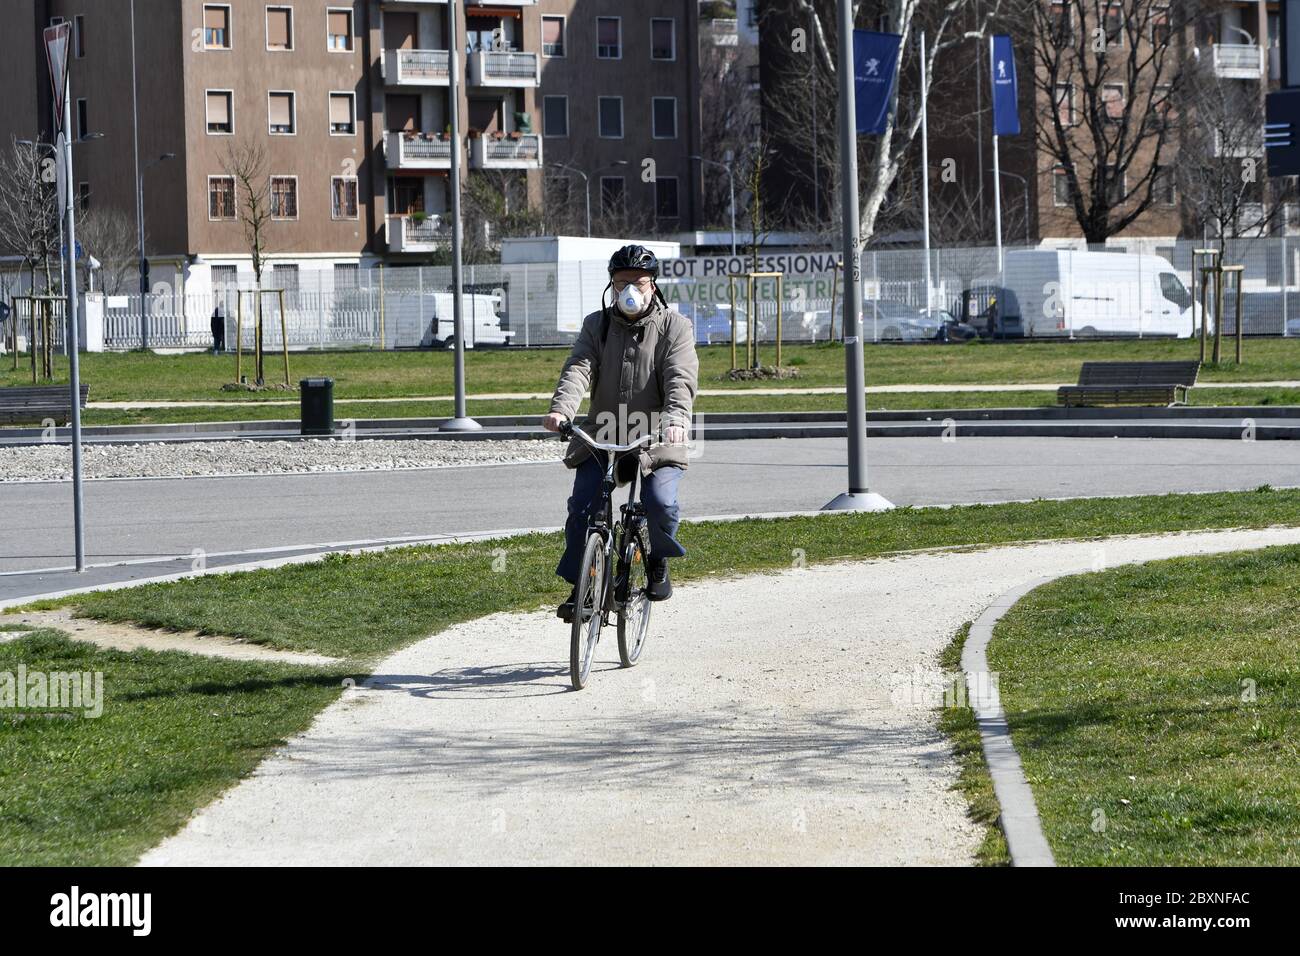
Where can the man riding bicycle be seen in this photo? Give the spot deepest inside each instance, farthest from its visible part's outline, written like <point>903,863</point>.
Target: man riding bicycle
<point>638,358</point>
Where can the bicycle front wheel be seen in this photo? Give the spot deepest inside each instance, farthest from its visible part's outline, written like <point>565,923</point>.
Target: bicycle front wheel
<point>634,613</point>
<point>588,611</point>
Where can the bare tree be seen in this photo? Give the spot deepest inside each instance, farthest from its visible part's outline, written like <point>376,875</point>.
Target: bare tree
<point>110,236</point>
<point>1220,174</point>
<point>246,164</point>
<point>729,111</point>
<point>813,31</point>
<point>1105,76</point>
<point>29,215</point>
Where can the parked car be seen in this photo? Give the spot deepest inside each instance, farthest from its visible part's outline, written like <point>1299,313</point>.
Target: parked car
<point>951,328</point>
<point>712,322</point>
<point>887,321</point>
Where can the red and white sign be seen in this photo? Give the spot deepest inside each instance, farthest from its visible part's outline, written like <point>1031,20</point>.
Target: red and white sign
<point>56,57</point>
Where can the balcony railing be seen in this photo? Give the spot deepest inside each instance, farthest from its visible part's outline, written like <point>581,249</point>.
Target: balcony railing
<point>416,67</point>
<point>1239,61</point>
<point>409,234</point>
<point>418,151</point>
<point>504,68</point>
<point>1242,146</point>
<point>522,153</point>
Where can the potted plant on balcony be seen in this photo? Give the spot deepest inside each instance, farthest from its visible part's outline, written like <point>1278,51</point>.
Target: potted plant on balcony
<point>498,134</point>
<point>474,132</point>
<point>418,216</point>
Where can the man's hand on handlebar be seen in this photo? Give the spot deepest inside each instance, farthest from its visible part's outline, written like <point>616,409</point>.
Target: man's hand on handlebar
<point>674,434</point>
<point>553,421</point>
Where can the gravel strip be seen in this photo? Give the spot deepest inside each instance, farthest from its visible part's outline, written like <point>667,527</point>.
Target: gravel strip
<point>199,459</point>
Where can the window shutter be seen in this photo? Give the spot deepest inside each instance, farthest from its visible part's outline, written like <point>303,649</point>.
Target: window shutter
<point>280,111</point>
<point>277,28</point>
<point>338,23</point>
<point>340,109</point>
<point>550,30</point>
<point>219,108</point>
<point>214,18</point>
<point>607,31</point>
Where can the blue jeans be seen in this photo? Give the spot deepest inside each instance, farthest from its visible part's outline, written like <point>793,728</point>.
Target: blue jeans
<point>658,494</point>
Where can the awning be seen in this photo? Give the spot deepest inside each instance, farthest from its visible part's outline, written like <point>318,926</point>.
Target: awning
<point>515,12</point>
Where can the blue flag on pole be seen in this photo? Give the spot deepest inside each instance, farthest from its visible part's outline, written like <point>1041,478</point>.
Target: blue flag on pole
<point>1006,92</point>
<point>875,63</point>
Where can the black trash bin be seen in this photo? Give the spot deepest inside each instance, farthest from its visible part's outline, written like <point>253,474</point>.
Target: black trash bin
<point>317,402</point>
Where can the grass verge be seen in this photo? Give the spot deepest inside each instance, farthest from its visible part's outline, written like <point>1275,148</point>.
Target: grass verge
<point>1156,709</point>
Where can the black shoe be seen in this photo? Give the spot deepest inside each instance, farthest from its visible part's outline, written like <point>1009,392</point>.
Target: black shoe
<point>565,611</point>
<point>660,586</point>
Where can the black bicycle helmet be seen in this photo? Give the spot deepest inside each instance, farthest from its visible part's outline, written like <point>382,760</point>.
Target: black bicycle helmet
<point>634,257</point>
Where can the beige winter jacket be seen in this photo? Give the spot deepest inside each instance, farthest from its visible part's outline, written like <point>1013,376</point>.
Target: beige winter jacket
<point>643,380</point>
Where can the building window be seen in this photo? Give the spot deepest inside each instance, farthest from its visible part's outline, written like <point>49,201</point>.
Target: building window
<point>1112,98</point>
<point>338,26</point>
<point>343,114</point>
<point>612,189</point>
<point>609,38</point>
<point>664,117</point>
<point>284,197</point>
<point>225,278</point>
<point>611,117</point>
<point>279,28</point>
<point>1117,183</point>
<point>346,276</point>
<point>281,113</point>
<point>83,196</point>
<point>285,276</point>
<point>555,116</point>
<point>552,36</point>
<point>79,36</point>
<point>216,27</point>
<point>1065,104</point>
<point>221,197</point>
<point>83,120</point>
<point>1162,33</point>
<point>666,198</point>
<point>1113,24</point>
<point>343,197</point>
<point>1164,190</point>
<point>220,116</point>
<point>663,38</point>
<point>1063,21</point>
<point>1060,187</point>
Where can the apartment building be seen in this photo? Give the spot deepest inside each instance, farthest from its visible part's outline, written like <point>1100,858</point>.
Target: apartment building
<point>349,102</point>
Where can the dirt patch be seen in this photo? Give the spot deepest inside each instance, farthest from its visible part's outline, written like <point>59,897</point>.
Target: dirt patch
<point>128,637</point>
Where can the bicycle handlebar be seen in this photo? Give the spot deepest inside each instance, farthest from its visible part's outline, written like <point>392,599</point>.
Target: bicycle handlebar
<point>568,428</point>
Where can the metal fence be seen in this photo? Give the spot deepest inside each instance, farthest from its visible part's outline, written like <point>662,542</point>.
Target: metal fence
<point>398,307</point>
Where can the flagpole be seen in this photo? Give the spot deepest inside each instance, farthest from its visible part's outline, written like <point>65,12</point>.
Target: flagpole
<point>925,175</point>
<point>997,174</point>
<point>73,333</point>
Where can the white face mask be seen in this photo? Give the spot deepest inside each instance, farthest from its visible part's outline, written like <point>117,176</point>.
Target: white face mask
<point>630,302</point>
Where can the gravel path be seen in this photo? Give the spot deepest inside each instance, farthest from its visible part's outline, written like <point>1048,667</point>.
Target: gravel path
<point>242,457</point>
<point>775,719</point>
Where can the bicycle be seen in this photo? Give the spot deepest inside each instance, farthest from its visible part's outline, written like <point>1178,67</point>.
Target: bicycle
<point>598,593</point>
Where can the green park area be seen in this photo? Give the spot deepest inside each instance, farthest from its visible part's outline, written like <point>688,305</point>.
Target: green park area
<point>1124,689</point>
<point>361,378</point>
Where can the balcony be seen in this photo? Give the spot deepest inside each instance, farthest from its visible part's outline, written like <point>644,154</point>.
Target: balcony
<point>410,234</point>
<point>418,151</point>
<point>522,153</point>
<point>416,67</point>
<point>1238,61</point>
<point>504,68</point>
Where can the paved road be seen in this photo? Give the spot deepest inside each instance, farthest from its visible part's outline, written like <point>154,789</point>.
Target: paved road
<point>804,738</point>
<point>155,520</point>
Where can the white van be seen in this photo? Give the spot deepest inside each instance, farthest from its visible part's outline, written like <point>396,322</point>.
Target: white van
<point>1069,293</point>
<point>480,316</point>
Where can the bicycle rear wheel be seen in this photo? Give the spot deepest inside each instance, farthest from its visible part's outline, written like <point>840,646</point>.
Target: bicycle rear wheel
<point>634,613</point>
<point>588,611</point>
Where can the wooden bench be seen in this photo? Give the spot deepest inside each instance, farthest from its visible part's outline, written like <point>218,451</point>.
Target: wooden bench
<point>35,403</point>
<point>1130,383</point>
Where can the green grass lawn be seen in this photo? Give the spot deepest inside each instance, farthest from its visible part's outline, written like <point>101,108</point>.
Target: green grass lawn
<point>145,376</point>
<point>1156,709</point>
<point>362,607</point>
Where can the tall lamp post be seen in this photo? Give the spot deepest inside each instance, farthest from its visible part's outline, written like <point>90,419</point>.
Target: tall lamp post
<point>144,263</point>
<point>729,166</point>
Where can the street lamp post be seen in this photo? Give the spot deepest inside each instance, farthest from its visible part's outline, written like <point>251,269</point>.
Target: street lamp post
<point>731,179</point>
<point>144,269</point>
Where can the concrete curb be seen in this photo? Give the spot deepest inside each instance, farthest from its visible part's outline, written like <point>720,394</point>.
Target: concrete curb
<point>1019,813</point>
